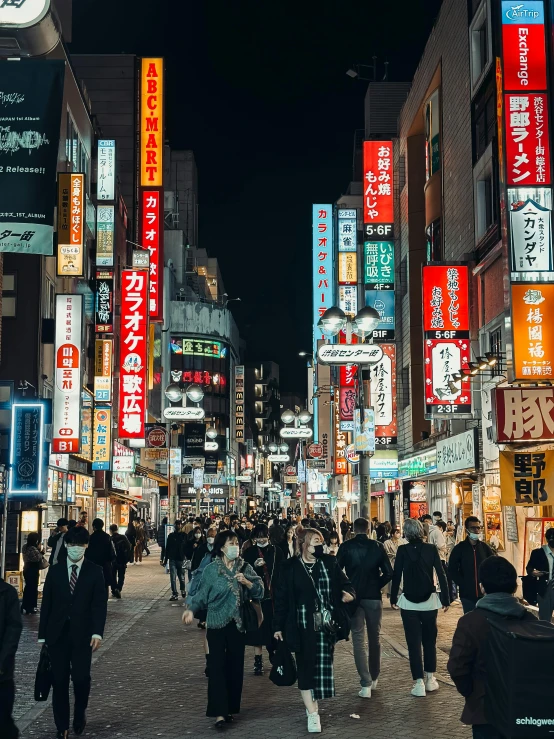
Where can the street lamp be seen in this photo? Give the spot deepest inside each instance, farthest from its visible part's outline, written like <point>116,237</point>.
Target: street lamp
<point>211,433</point>
<point>284,448</point>
<point>287,417</point>
<point>304,417</point>
<point>194,393</point>
<point>173,393</point>
<point>273,447</point>
<point>365,322</point>
<point>334,320</point>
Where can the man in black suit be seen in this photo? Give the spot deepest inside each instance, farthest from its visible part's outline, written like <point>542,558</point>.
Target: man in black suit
<point>102,552</point>
<point>541,566</point>
<point>72,620</point>
<point>55,542</point>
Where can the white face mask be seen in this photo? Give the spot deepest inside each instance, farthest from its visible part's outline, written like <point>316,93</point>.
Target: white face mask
<point>210,540</point>
<point>197,536</point>
<point>232,551</point>
<point>263,543</point>
<point>75,553</point>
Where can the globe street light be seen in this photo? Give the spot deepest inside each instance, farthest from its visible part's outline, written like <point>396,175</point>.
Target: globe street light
<point>173,393</point>
<point>304,417</point>
<point>284,448</point>
<point>273,447</point>
<point>194,393</point>
<point>287,417</point>
<point>332,322</point>
<point>365,322</point>
<point>211,433</point>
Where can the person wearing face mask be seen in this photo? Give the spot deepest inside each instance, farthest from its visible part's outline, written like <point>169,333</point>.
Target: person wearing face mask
<point>310,617</point>
<point>541,566</point>
<point>72,620</point>
<point>195,548</point>
<point>225,582</point>
<point>196,577</point>
<point>288,545</point>
<point>465,560</point>
<point>334,543</point>
<point>266,559</point>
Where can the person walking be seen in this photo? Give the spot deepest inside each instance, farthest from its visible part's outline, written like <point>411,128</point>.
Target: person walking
<point>345,527</point>
<point>310,617</point>
<point>541,566</point>
<point>33,563</point>
<point>122,553</point>
<point>175,555</point>
<point>368,568</point>
<point>465,560</point>
<point>10,632</point>
<point>417,564</point>
<point>55,541</point>
<point>146,536</point>
<point>225,583</point>
<point>101,552</point>
<point>266,560</point>
<point>139,541</point>
<point>131,534</point>
<point>288,545</point>
<point>72,620</point>
<point>160,538</point>
<point>333,544</point>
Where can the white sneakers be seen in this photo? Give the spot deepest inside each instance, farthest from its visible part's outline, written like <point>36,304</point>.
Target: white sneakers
<point>374,684</point>
<point>431,683</point>
<point>314,723</point>
<point>365,692</point>
<point>419,689</point>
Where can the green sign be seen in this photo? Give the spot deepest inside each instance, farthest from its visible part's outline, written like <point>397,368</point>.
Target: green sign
<point>418,465</point>
<point>379,265</point>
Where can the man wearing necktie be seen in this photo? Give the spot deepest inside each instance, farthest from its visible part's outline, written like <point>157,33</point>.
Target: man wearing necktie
<point>72,620</point>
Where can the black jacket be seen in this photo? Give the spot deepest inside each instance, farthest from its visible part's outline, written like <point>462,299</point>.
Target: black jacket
<point>295,588</point>
<point>426,557</point>
<point>53,543</point>
<point>367,566</point>
<point>175,547</point>
<point>85,609</point>
<point>463,566</point>
<point>195,550</point>
<point>273,557</point>
<point>122,548</point>
<point>539,561</point>
<point>161,535</point>
<point>284,546</point>
<point>100,550</point>
<point>10,629</point>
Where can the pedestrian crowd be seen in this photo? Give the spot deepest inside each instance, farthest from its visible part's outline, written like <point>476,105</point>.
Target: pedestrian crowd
<point>292,588</point>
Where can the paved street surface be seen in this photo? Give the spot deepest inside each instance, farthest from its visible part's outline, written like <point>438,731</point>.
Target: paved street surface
<point>148,681</point>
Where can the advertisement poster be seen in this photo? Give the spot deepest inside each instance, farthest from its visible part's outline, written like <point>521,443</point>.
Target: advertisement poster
<point>66,435</point>
<point>27,448</point>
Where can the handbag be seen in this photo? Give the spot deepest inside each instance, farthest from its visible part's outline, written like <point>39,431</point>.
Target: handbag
<point>251,611</point>
<point>43,564</point>
<point>283,672</point>
<point>43,677</point>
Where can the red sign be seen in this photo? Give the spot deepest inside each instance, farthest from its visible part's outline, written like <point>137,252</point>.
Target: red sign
<point>133,388</point>
<point>378,182</point>
<point>524,55</point>
<point>442,358</point>
<point>524,414</point>
<point>348,375</point>
<point>527,139</point>
<point>445,298</point>
<point>315,451</point>
<point>152,237</point>
<point>347,403</point>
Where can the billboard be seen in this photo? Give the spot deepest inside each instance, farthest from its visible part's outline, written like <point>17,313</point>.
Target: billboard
<point>445,298</point>
<point>26,448</point>
<point>101,437</point>
<point>103,363</point>
<point>105,184</point>
<point>105,234</point>
<point>30,116</point>
<point>151,126</point>
<point>527,139</point>
<point>103,310</point>
<point>348,268</point>
<point>322,263</point>
<point>152,238</point>
<point>523,45</point>
<point>341,440</point>
<point>524,414</point>
<point>531,237</point>
<point>133,389</point>
<point>239,403</point>
<point>71,224</point>
<point>66,435</point>
<point>364,436</point>
<point>383,396</point>
<point>379,265</point>
<point>347,230</point>
<point>378,186</point>
<point>533,334</point>
<point>348,299</point>
<point>527,478</point>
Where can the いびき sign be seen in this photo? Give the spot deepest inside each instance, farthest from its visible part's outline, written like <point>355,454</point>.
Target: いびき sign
<point>133,387</point>
<point>378,182</point>
<point>445,299</point>
<point>523,45</point>
<point>533,330</point>
<point>527,139</point>
<point>151,122</point>
<point>66,432</point>
<point>152,237</point>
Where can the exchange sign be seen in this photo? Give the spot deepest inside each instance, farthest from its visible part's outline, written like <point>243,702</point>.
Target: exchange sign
<point>523,42</point>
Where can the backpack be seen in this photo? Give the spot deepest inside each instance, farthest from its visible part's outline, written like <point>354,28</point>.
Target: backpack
<point>418,586</point>
<point>519,655</point>
<point>122,550</point>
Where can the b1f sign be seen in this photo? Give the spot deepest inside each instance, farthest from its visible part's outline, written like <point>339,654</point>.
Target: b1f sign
<point>66,434</point>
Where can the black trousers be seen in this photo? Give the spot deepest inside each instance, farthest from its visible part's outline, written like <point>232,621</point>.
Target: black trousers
<point>420,628</point>
<point>119,571</point>
<point>75,659</point>
<point>226,665</point>
<point>485,731</point>
<point>31,575</point>
<point>8,729</point>
<point>162,553</point>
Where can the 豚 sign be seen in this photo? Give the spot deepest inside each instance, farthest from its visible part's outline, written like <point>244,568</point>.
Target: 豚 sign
<point>456,453</point>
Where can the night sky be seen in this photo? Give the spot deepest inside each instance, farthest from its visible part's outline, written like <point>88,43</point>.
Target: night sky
<point>258,91</point>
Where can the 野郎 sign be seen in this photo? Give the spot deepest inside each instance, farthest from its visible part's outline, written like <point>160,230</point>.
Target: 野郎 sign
<point>524,414</point>
<point>527,139</point>
<point>66,434</point>
<point>527,478</point>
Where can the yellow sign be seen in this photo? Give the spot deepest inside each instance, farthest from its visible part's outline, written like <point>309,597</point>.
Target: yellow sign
<point>102,433</point>
<point>348,268</point>
<point>527,478</point>
<point>71,224</point>
<point>151,122</point>
<point>85,486</point>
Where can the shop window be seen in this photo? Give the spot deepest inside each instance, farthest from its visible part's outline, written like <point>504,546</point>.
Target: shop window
<point>432,135</point>
<point>434,241</point>
<point>480,45</point>
<point>9,295</point>
<point>484,121</point>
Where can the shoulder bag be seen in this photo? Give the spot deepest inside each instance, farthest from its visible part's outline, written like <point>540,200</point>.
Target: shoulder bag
<point>251,610</point>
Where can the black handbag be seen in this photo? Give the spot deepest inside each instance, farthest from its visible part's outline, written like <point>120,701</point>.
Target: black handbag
<point>43,678</point>
<point>251,611</point>
<point>283,672</point>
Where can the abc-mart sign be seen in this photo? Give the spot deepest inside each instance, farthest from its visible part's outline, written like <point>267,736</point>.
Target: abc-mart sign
<point>349,354</point>
<point>184,414</point>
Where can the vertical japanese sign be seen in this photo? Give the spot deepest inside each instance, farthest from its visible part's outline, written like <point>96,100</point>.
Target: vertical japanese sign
<point>104,301</point>
<point>152,237</point>
<point>105,234</point>
<point>71,223</point>
<point>379,265</point>
<point>86,424</point>
<point>103,362</point>
<point>364,436</point>
<point>446,337</point>
<point>527,478</point>
<point>105,185</point>
<point>322,269</point>
<point>26,448</point>
<point>66,436</point>
<point>341,440</point>
<point>133,353</point>
<point>347,396</point>
<point>348,268</point>
<point>101,438</point>
<point>531,237</point>
<point>348,299</point>
<point>239,402</point>
<point>151,122</point>
<point>378,189</point>
<point>347,230</point>
<point>533,330</point>
<point>383,396</point>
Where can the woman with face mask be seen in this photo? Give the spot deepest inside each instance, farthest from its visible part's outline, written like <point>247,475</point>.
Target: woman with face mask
<point>225,583</point>
<point>266,559</point>
<point>196,578</point>
<point>195,548</point>
<point>288,545</point>
<point>310,617</point>
<point>333,546</point>
<point>391,548</point>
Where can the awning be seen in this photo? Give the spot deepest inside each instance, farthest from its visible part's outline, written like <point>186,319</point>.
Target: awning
<point>147,472</point>
<point>126,498</point>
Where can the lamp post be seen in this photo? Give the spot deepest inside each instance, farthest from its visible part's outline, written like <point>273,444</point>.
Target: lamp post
<point>331,323</point>
<point>300,421</point>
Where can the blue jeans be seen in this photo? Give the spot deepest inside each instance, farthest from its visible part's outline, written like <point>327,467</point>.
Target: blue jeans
<point>176,571</point>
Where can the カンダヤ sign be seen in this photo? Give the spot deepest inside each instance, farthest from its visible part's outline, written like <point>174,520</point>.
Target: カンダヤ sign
<point>531,237</point>
<point>533,330</point>
<point>152,237</point>
<point>66,435</point>
<point>524,414</point>
<point>378,187</point>
<point>151,122</point>
<point>527,478</point>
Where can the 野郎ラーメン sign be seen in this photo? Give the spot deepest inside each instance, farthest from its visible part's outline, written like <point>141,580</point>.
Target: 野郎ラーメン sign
<point>523,45</point>
<point>383,396</point>
<point>26,448</point>
<point>527,139</point>
<point>66,435</point>
<point>133,389</point>
<point>347,230</point>
<point>531,237</point>
<point>103,354</point>
<point>533,330</point>
<point>379,265</point>
<point>239,403</point>
<point>151,122</point>
<point>152,237</point>
<point>71,224</point>
<point>322,263</point>
<point>524,414</point>
<point>378,186</point>
<point>105,230</point>
<point>104,301</point>
<point>105,186</point>
<point>527,478</point>
<point>101,437</point>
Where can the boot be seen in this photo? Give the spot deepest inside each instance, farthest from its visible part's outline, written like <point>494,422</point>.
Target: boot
<point>258,664</point>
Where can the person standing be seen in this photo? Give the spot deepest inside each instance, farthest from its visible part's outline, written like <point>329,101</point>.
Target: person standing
<point>55,542</point>
<point>417,564</point>
<point>131,535</point>
<point>465,560</point>
<point>391,548</point>
<point>344,527</point>
<point>541,566</point>
<point>175,555</point>
<point>368,568</point>
<point>10,632</point>
<point>122,553</point>
<point>161,539</point>
<point>220,594</point>
<point>288,545</point>
<point>101,552</point>
<point>72,620</point>
<point>310,618</point>
<point>32,565</point>
<point>139,541</point>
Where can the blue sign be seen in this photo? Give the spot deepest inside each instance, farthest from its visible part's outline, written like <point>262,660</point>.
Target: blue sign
<point>383,302</point>
<point>528,13</point>
<point>347,230</point>
<point>27,448</point>
<point>323,273</point>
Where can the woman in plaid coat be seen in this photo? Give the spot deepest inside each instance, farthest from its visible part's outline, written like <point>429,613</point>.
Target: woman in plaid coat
<point>310,616</point>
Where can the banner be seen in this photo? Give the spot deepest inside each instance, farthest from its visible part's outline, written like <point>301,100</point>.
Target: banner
<point>378,189</point>
<point>26,448</point>
<point>105,231</point>
<point>151,129</point>
<point>195,437</point>
<point>533,333</point>
<point>30,116</point>
<point>364,438</point>
<point>103,354</point>
<point>239,403</point>
<point>527,478</point>
<point>66,436</point>
<point>152,238</point>
<point>71,224</point>
<point>104,302</point>
<point>383,396</point>
<point>101,438</point>
<point>323,281</point>
<point>341,440</point>
<point>379,265</point>
<point>347,230</point>
<point>105,185</point>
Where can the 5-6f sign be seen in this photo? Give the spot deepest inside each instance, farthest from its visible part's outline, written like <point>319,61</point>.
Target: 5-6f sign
<point>66,435</point>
